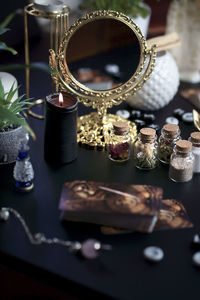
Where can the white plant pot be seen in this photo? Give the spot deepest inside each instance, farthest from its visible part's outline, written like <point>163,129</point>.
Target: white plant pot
<point>183,17</point>
<point>8,80</point>
<point>160,88</point>
<point>10,144</point>
<point>143,23</point>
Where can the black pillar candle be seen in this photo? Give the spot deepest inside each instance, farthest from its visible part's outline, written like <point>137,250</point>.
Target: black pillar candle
<point>60,140</point>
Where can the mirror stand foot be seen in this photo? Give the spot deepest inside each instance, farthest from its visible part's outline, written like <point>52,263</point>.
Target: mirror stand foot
<point>93,135</point>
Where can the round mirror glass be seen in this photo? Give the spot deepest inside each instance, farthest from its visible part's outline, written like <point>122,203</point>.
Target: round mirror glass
<point>103,54</point>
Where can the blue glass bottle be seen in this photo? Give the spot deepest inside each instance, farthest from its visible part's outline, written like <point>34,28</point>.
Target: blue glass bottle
<point>23,171</point>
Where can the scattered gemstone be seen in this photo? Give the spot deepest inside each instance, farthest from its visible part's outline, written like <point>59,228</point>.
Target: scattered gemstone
<point>123,113</point>
<point>149,118</point>
<point>136,114</point>
<point>196,259</point>
<point>187,117</point>
<point>178,112</point>
<point>4,214</point>
<point>154,126</point>
<point>89,249</point>
<point>196,242</point>
<point>153,254</point>
<point>139,123</point>
<point>172,120</point>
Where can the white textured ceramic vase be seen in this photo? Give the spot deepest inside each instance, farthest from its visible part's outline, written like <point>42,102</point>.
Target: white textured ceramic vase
<point>160,88</point>
<point>184,18</point>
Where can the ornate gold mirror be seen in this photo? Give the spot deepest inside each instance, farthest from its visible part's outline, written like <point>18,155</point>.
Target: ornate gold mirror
<point>94,42</point>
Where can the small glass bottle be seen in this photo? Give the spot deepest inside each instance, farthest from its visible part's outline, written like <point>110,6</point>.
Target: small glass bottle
<point>23,172</point>
<point>170,134</point>
<point>119,146</point>
<point>195,139</point>
<point>181,162</point>
<point>146,149</point>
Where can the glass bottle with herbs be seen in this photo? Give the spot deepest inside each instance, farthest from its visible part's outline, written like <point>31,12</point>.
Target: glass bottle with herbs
<point>181,162</point>
<point>146,149</point>
<point>170,134</point>
<point>119,146</point>
<point>195,140</point>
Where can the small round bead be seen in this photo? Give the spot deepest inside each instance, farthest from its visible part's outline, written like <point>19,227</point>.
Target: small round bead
<point>154,126</point>
<point>153,253</point>
<point>123,113</point>
<point>139,123</point>
<point>89,249</point>
<point>149,118</point>
<point>172,120</point>
<point>187,117</point>
<point>178,112</point>
<point>4,214</point>
<point>196,259</point>
<point>136,114</point>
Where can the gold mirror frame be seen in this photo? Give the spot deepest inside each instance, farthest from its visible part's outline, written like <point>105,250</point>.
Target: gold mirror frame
<point>93,129</point>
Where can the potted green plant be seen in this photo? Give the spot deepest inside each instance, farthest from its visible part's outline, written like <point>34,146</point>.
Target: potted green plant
<point>13,125</point>
<point>138,10</point>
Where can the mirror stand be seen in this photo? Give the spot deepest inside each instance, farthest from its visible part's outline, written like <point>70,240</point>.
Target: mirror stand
<point>94,129</point>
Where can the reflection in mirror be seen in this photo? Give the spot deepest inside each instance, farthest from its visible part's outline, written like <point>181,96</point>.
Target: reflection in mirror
<point>103,54</point>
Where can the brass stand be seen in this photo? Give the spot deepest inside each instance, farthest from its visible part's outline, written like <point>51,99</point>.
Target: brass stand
<point>58,24</point>
<point>94,134</point>
<point>31,113</point>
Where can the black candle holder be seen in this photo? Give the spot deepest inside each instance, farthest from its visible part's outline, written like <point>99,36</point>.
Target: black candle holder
<point>60,140</point>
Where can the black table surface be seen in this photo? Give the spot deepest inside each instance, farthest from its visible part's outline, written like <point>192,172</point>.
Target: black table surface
<point>122,273</point>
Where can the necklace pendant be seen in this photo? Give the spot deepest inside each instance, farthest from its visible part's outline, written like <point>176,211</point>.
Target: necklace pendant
<point>4,214</point>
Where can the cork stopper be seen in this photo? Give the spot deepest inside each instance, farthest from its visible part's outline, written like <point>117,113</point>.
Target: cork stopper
<point>195,138</point>
<point>120,128</point>
<point>183,146</point>
<point>148,134</point>
<point>171,129</point>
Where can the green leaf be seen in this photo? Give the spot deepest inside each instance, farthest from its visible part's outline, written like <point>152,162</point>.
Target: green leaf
<point>3,46</point>
<point>4,30</point>
<point>35,66</point>
<point>18,106</point>
<point>7,20</point>
<point>11,93</point>
<point>2,92</point>
<point>12,118</point>
<point>2,102</point>
<point>128,7</point>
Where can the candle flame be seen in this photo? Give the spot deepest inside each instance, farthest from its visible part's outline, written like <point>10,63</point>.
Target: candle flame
<point>60,99</point>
